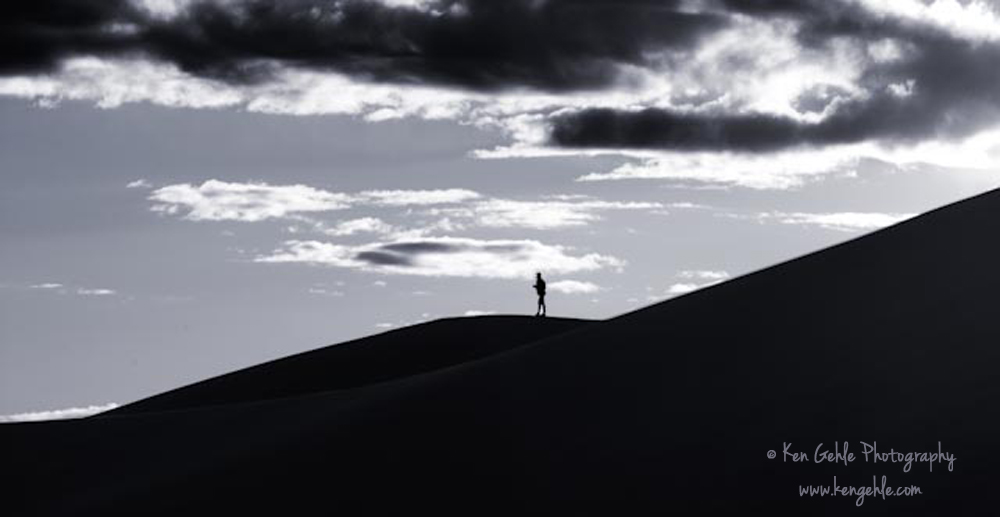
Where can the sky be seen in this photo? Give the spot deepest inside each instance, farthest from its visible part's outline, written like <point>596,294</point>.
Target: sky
<point>188,187</point>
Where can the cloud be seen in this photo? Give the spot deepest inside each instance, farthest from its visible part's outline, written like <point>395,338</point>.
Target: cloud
<point>704,275</point>
<point>694,279</point>
<point>711,92</point>
<point>975,20</point>
<point>445,257</point>
<point>840,221</point>
<point>555,45</point>
<point>682,288</point>
<point>452,209</point>
<point>653,82</point>
<point>81,291</point>
<point>417,197</point>
<point>902,89</point>
<point>57,414</point>
<point>360,225</point>
<point>542,215</point>
<point>574,287</point>
<point>216,200</point>
<point>774,171</point>
<point>474,312</point>
<point>139,183</point>
<point>654,128</point>
<point>95,292</point>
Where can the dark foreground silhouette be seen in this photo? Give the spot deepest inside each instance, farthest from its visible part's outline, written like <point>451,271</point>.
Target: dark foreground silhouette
<point>670,410</point>
<point>540,291</point>
<point>391,355</point>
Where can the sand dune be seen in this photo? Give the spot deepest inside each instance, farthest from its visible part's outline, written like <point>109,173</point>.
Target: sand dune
<point>889,338</point>
<point>384,357</point>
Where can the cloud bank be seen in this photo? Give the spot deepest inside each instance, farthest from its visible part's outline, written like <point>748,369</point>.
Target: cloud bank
<point>216,200</point>
<point>709,84</point>
<point>475,44</point>
<point>445,257</point>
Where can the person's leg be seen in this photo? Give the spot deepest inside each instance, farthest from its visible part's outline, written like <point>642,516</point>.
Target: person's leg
<point>541,304</point>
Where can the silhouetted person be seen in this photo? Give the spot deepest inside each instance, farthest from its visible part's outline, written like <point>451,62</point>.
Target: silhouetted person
<point>540,289</point>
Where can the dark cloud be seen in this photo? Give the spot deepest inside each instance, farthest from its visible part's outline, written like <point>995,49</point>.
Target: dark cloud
<point>479,44</point>
<point>663,129</point>
<point>35,36</point>
<point>553,45</point>
<point>404,253</point>
<point>945,90</point>
<point>422,247</point>
<point>381,258</point>
<point>796,8</point>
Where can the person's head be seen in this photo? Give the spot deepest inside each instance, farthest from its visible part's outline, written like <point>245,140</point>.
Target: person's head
<point>538,275</point>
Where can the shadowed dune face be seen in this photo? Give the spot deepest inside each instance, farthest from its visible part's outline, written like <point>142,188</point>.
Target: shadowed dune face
<point>890,338</point>
<point>384,357</point>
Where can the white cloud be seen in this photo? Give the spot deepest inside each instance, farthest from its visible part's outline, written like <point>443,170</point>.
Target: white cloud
<point>216,200</point>
<point>475,312</point>
<point>95,292</point>
<point>299,92</point>
<point>694,279</point>
<point>421,5</point>
<point>445,257</point>
<point>682,288</point>
<point>423,228</point>
<point>360,225</point>
<point>57,414</point>
<point>974,20</point>
<point>113,83</point>
<point>704,275</point>
<point>792,169</point>
<point>379,283</point>
<point>902,89</point>
<point>574,287</point>
<point>139,183</point>
<point>384,325</point>
<point>162,9</point>
<point>840,221</point>
<point>82,291</point>
<point>685,205</point>
<point>769,171</point>
<point>541,215</point>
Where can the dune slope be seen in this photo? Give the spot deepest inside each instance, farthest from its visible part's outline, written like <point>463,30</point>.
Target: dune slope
<point>383,357</point>
<point>890,338</point>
